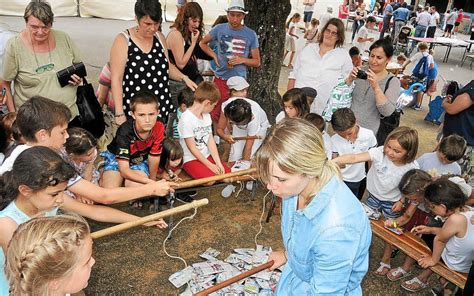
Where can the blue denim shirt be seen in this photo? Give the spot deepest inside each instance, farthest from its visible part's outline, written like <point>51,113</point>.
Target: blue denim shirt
<point>327,243</point>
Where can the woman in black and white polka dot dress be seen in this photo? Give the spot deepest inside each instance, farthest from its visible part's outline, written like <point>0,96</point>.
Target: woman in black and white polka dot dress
<point>139,61</point>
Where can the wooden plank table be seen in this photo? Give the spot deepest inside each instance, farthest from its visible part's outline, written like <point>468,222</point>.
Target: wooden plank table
<point>414,247</point>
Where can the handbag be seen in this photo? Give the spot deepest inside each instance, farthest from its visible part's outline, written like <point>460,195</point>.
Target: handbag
<point>90,112</point>
<point>388,123</point>
<point>65,74</point>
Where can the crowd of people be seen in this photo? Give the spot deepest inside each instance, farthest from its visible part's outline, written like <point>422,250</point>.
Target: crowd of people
<point>329,149</point>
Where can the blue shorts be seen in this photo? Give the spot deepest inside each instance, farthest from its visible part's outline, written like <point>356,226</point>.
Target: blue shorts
<point>382,206</point>
<point>307,16</point>
<point>111,163</point>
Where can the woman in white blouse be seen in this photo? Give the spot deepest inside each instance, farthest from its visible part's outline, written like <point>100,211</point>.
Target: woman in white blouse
<point>320,64</point>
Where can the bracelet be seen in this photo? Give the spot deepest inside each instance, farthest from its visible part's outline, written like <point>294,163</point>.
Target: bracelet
<point>119,115</point>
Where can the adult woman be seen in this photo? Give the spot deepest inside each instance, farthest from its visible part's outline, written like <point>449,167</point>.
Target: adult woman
<point>33,57</point>
<point>459,119</point>
<point>376,95</point>
<point>359,19</point>
<point>315,204</point>
<point>320,64</point>
<point>183,41</point>
<point>139,60</point>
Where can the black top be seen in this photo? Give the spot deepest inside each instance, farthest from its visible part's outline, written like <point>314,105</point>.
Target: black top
<point>462,123</point>
<point>191,68</point>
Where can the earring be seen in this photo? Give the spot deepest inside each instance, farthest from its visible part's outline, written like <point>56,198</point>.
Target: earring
<point>137,28</point>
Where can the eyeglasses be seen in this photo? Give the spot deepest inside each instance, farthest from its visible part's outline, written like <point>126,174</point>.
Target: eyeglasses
<point>331,33</point>
<point>35,28</point>
<point>44,68</point>
<point>240,125</point>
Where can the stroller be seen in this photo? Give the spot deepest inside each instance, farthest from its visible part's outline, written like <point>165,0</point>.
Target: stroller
<point>402,40</point>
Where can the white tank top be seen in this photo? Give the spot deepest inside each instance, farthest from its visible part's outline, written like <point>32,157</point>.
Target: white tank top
<point>459,251</point>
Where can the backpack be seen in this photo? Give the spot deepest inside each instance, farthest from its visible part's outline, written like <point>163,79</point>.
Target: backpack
<point>435,110</point>
<point>421,69</point>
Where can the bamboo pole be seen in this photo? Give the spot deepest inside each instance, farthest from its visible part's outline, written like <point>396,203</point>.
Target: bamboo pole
<point>235,279</point>
<point>149,218</point>
<point>247,138</point>
<point>202,181</point>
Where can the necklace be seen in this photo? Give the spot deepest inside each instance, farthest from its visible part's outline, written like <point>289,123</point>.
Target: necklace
<point>43,68</point>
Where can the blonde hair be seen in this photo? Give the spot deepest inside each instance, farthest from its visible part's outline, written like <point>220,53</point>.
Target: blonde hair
<point>296,147</point>
<point>207,91</point>
<point>42,250</point>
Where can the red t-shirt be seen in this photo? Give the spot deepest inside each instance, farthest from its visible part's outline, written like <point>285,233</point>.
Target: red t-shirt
<point>460,17</point>
<point>343,9</point>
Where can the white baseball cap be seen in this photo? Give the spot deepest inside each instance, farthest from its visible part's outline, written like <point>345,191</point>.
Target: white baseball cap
<point>238,83</point>
<point>237,5</point>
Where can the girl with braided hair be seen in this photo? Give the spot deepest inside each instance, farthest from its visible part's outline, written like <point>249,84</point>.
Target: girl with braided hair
<point>35,188</point>
<point>50,256</point>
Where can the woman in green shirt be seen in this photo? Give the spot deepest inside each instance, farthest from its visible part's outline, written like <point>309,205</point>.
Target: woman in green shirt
<point>33,57</point>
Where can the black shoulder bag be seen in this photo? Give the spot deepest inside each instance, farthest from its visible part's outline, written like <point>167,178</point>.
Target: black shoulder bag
<point>90,112</point>
<point>388,123</point>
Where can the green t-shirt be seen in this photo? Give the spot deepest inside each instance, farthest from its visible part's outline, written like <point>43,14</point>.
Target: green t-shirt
<point>20,67</point>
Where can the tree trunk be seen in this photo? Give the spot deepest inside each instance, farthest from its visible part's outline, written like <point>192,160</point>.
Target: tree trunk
<point>267,18</point>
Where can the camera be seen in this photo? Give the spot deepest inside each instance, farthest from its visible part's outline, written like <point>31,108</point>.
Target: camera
<point>361,74</point>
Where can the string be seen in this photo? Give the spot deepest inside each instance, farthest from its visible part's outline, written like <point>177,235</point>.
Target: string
<point>261,217</point>
<point>169,235</point>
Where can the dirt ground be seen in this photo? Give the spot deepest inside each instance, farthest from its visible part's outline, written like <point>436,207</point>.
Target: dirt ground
<point>134,263</point>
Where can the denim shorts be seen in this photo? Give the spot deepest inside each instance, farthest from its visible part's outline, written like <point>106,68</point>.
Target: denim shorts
<point>111,163</point>
<point>382,206</point>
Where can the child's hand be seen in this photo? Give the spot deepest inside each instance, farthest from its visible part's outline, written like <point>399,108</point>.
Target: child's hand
<point>162,187</point>
<point>397,206</point>
<point>426,262</point>
<point>221,168</point>
<point>390,223</point>
<point>160,223</point>
<point>229,139</point>
<point>421,229</point>
<point>278,258</point>
<point>214,168</point>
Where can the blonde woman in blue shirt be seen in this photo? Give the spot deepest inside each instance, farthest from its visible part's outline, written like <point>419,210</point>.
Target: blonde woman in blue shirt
<point>325,230</point>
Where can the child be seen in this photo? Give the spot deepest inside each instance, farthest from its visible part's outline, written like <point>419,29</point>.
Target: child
<point>295,104</point>
<point>351,138</point>
<point>201,158</point>
<point>389,163</point>
<point>185,100</point>
<point>64,268</point>
<point>444,159</point>
<point>320,124</point>
<point>401,59</point>
<point>311,34</point>
<point>34,187</point>
<point>80,151</point>
<point>43,122</point>
<point>354,52</point>
<point>454,242</point>
<point>290,45</point>
<point>171,164</point>
<point>363,41</point>
<point>246,118</point>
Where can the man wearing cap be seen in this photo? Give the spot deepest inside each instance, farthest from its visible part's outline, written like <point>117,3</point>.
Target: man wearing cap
<point>237,49</point>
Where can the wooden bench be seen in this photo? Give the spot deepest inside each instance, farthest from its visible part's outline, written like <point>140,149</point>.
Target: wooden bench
<point>414,247</point>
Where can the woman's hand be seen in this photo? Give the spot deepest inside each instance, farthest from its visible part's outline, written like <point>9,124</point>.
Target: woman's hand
<point>120,118</point>
<point>160,223</point>
<point>194,37</point>
<point>372,79</point>
<point>75,80</point>
<point>189,83</point>
<point>352,76</point>
<point>278,257</point>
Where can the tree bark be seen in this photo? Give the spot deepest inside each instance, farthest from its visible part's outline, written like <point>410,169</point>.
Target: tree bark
<point>267,18</point>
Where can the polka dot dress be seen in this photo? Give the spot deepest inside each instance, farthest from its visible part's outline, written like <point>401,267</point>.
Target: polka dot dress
<point>147,71</point>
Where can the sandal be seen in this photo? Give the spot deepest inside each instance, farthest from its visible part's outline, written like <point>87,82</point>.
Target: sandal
<point>397,273</point>
<point>381,270</point>
<point>414,285</point>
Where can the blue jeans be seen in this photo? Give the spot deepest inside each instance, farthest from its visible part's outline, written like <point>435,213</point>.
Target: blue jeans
<point>419,32</point>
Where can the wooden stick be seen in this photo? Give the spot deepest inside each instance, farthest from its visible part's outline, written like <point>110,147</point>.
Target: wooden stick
<point>235,279</point>
<point>149,218</point>
<point>202,181</point>
<point>247,138</point>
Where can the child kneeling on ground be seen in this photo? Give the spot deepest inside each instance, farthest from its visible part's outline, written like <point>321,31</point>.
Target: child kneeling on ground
<point>134,154</point>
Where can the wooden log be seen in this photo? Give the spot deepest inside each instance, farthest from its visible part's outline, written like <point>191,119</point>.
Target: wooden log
<point>413,247</point>
<point>149,218</point>
<point>202,181</point>
<point>247,138</point>
<point>235,279</point>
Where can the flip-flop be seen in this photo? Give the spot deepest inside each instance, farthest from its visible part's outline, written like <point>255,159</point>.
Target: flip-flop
<point>397,274</point>
<point>414,281</point>
<point>382,266</point>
